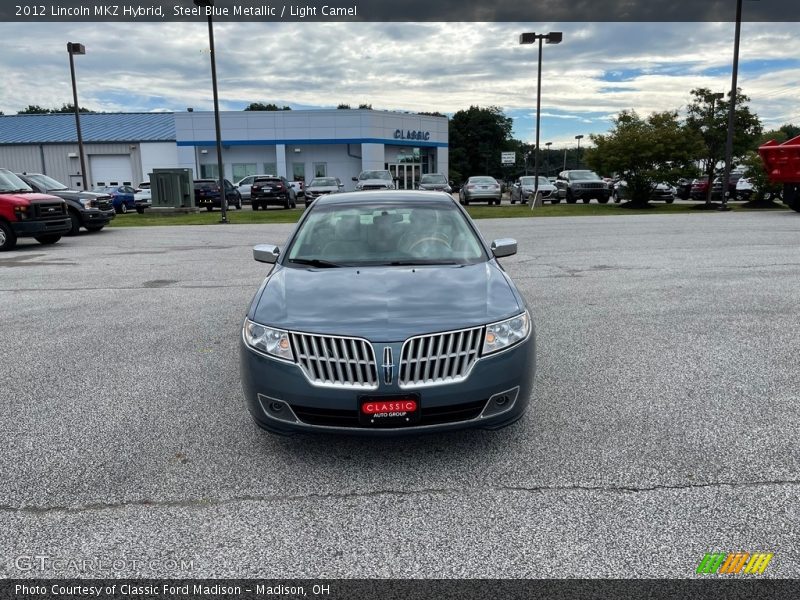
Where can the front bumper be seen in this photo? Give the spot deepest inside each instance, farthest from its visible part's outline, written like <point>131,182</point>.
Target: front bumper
<point>97,217</point>
<point>591,193</point>
<point>495,393</point>
<point>40,227</point>
<point>483,195</point>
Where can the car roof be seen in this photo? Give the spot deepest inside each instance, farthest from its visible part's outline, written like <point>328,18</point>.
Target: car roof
<point>386,196</point>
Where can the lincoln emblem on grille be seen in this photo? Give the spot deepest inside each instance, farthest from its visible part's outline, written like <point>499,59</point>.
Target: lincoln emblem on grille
<point>388,365</point>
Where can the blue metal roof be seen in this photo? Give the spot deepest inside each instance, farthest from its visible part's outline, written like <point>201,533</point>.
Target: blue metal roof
<point>98,127</point>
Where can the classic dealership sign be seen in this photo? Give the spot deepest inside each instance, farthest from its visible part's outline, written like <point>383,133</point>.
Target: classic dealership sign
<point>399,134</point>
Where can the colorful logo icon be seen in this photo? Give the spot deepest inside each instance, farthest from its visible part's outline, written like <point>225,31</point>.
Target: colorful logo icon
<point>734,563</point>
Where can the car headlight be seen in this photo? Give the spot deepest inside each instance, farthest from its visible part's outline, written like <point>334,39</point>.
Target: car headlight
<point>506,333</point>
<point>267,339</point>
<point>86,202</point>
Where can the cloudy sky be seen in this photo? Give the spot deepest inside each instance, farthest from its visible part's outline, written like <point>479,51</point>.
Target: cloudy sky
<point>599,69</point>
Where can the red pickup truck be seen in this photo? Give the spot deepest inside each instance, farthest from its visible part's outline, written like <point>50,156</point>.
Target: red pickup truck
<point>27,214</point>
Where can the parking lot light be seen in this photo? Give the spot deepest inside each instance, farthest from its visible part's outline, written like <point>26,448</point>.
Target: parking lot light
<point>579,137</point>
<point>732,107</point>
<point>554,37</point>
<point>222,195</point>
<point>74,48</point>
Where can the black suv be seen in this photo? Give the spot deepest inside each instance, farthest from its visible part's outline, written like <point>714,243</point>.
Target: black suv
<point>206,194</point>
<point>92,210</point>
<point>582,185</point>
<point>272,190</point>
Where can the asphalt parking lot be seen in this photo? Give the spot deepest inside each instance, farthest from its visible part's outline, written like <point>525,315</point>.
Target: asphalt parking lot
<point>664,422</point>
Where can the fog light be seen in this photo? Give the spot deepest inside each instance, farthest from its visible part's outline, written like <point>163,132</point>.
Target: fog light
<point>276,407</point>
<point>501,400</point>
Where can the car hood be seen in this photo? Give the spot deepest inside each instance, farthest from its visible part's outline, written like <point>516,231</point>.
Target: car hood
<point>386,304</point>
<point>544,186</point>
<point>24,198</point>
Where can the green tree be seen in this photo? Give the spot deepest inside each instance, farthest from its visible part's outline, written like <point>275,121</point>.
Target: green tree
<point>757,175</point>
<point>707,117</point>
<point>365,106</point>
<point>263,106</point>
<point>477,137</point>
<point>343,106</point>
<point>644,151</point>
<point>34,109</point>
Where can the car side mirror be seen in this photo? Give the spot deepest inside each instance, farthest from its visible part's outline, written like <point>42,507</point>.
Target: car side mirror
<point>355,178</point>
<point>504,247</point>
<point>266,253</point>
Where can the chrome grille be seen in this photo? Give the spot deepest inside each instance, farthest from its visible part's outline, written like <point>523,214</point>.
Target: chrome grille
<point>440,357</point>
<point>336,361</point>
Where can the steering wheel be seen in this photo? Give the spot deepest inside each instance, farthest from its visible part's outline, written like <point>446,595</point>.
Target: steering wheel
<point>434,239</point>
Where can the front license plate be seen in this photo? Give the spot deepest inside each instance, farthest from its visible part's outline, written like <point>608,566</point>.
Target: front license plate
<point>389,411</point>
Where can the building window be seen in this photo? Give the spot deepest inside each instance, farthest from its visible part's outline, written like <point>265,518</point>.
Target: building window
<point>209,172</point>
<point>270,168</point>
<point>299,171</point>
<point>320,169</point>
<point>242,170</point>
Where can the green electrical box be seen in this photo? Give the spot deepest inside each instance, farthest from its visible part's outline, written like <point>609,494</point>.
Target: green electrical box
<point>172,188</point>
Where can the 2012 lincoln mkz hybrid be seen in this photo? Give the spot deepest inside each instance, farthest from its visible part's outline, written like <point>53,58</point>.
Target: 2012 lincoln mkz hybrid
<point>386,313</point>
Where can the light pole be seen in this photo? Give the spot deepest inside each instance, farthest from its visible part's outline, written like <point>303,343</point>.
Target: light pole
<point>547,157</point>
<point>712,158</point>
<point>223,199</point>
<point>732,108</point>
<point>74,48</point>
<point>579,138</point>
<point>554,37</point>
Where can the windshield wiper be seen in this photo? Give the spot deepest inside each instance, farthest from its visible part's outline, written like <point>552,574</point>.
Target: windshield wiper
<point>314,262</point>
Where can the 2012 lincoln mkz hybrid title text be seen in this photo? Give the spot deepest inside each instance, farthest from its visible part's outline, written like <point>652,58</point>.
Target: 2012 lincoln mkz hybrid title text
<point>386,313</point>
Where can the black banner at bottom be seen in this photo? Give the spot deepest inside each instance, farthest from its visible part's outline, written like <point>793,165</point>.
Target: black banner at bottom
<point>397,589</point>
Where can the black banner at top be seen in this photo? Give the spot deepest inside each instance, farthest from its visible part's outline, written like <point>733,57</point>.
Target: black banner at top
<point>518,11</point>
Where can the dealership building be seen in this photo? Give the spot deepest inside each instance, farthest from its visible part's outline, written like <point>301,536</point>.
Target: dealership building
<point>298,144</point>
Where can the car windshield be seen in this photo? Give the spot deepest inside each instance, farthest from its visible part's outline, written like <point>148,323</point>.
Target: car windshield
<point>375,175</point>
<point>532,180</point>
<point>104,188</point>
<point>583,175</point>
<point>385,233</point>
<point>433,178</point>
<point>46,183</point>
<point>323,181</point>
<point>11,183</point>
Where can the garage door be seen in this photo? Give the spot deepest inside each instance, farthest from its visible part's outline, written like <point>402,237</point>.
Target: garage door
<point>111,169</point>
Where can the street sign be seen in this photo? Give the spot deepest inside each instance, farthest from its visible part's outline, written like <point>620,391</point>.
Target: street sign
<point>508,158</point>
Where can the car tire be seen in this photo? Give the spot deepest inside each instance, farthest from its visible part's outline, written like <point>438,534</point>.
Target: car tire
<point>94,228</point>
<point>209,208</point>
<point>123,208</point>
<point>466,202</point>
<point>48,239</point>
<point>140,210</point>
<point>587,200</point>
<point>555,201</point>
<point>8,239</point>
<point>669,200</point>
<point>571,199</point>
<point>513,201</point>
<point>603,200</point>
<point>75,223</point>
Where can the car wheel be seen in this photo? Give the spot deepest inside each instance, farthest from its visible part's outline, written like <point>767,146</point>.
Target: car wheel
<point>123,208</point>
<point>94,228</point>
<point>239,204</point>
<point>8,239</point>
<point>75,223</point>
<point>209,208</point>
<point>48,239</point>
<point>587,200</point>
<point>466,202</point>
<point>669,200</point>
<point>140,210</point>
<point>570,198</point>
<point>603,200</point>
